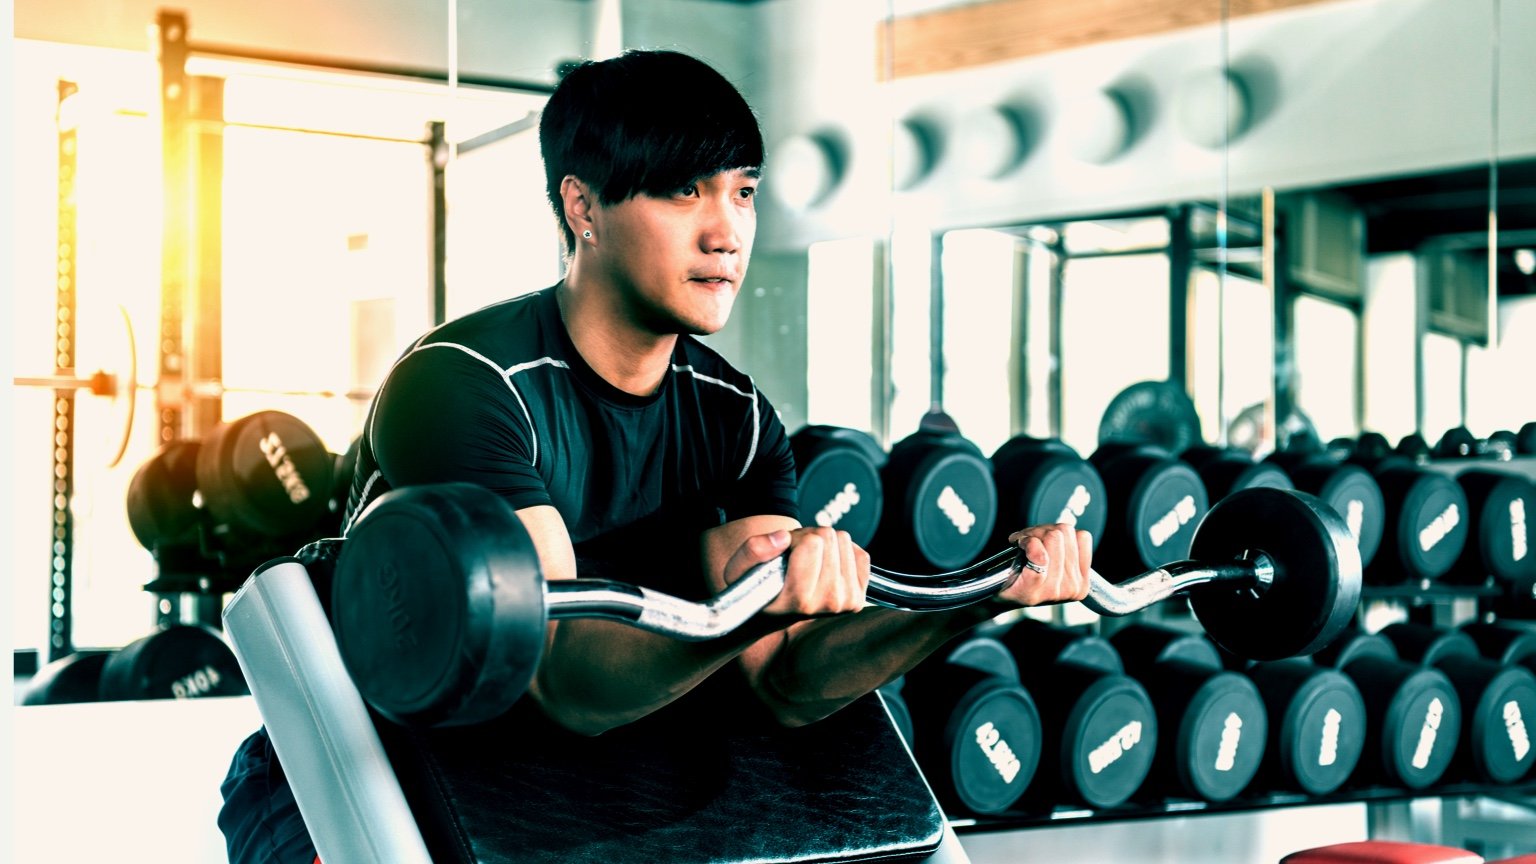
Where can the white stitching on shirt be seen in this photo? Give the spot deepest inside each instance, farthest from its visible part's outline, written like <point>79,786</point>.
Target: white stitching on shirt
<point>362,501</point>
<point>756,420</point>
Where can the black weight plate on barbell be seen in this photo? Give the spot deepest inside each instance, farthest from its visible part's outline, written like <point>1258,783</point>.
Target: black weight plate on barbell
<point>161,503</point>
<point>438,605</point>
<point>181,661</point>
<point>1353,493</point>
<point>1499,702</point>
<point>266,474</point>
<point>1502,509</point>
<point>69,679</point>
<point>839,480</point>
<point>1426,525</point>
<point>1317,727</point>
<point>1317,578</point>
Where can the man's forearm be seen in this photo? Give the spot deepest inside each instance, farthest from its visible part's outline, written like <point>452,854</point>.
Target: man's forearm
<point>599,675</point>
<point>830,662</point>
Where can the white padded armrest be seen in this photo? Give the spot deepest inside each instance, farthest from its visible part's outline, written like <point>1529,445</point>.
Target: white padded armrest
<point>346,791</point>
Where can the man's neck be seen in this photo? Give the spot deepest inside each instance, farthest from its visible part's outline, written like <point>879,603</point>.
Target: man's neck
<point>621,352</point>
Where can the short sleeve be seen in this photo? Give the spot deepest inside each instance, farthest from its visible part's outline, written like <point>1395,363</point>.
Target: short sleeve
<point>447,415</point>
<point>767,485</point>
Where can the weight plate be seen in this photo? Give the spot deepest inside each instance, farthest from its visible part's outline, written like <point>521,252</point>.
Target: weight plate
<point>1157,412</point>
<point>182,661</point>
<point>1108,742</point>
<point>69,679</point>
<point>438,605</point>
<point>1426,525</point>
<point>994,746</point>
<point>1221,738</point>
<point>267,474</point>
<point>1317,578</point>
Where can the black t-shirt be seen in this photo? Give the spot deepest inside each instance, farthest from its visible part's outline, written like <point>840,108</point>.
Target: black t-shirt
<point>501,398</point>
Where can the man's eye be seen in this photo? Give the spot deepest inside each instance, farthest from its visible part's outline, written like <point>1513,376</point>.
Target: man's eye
<point>749,192</point>
<point>688,191</point>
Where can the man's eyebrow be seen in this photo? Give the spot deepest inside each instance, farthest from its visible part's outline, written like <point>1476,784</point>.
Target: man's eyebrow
<point>752,173</point>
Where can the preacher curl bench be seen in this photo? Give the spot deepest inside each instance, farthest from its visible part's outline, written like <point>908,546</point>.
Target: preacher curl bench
<point>394,706</point>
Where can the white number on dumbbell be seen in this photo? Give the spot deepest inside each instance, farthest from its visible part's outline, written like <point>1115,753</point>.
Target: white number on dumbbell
<point>1515,724</point>
<point>1077,505</point>
<point>1172,521</point>
<point>1118,745</point>
<point>1435,531</point>
<point>277,457</point>
<point>1330,752</point>
<point>1354,517</point>
<point>199,683</point>
<point>954,507</point>
<point>1231,735</point>
<point>998,752</point>
<point>838,507</point>
<point>1517,527</point>
<point>1427,733</point>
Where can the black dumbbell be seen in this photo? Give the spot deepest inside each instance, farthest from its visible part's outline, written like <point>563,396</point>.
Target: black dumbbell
<point>182,661</point>
<point>1212,723</point>
<point>1225,470</point>
<point>69,679</point>
<point>1415,448</point>
<point>940,503</point>
<point>1105,731</point>
<point>1045,481</point>
<point>839,476</point>
<point>1413,715</point>
<point>1495,746</point>
<point>1349,489</point>
<point>440,609</point>
<point>1504,643</point>
<point>1317,726</point>
<point>1500,536</point>
<point>162,498</point>
<point>265,475</point>
<point>1425,526</point>
<point>1501,446</point>
<point>1155,503</point>
<point>1458,443</point>
<point>1525,440</point>
<point>976,732</point>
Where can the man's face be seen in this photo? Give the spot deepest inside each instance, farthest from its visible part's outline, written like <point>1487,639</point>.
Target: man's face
<point>678,260</point>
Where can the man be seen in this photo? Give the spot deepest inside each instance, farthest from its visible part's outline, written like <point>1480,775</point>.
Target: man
<point>630,450</point>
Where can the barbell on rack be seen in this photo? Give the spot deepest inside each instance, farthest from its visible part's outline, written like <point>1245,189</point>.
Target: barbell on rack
<point>440,607</point>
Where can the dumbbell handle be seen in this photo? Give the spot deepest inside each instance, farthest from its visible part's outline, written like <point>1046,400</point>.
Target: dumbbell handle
<point>744,598</point>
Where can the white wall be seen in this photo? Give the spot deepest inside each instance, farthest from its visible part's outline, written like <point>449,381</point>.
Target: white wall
<point>124,781</point>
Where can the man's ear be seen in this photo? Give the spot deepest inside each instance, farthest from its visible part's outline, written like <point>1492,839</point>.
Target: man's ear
<point>577,200</point>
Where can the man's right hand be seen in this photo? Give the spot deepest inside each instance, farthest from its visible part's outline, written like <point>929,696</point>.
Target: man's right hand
<point>827,573</point>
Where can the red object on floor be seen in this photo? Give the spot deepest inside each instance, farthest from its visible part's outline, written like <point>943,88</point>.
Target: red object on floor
<point>1382,852</point>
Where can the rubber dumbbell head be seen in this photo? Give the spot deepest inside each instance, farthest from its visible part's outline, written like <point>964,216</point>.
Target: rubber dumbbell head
<point>1501,531</point>
<point>1042,482</point>
<point>1425,526</point>
<point>1155,503</point>
<point>940,503</point>
<point>839,476</point>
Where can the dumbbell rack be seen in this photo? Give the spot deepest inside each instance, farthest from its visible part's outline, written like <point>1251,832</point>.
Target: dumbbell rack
<point>1446,812</point>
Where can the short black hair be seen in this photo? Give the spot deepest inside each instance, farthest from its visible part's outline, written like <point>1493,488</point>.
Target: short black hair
<point>646,122</point>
